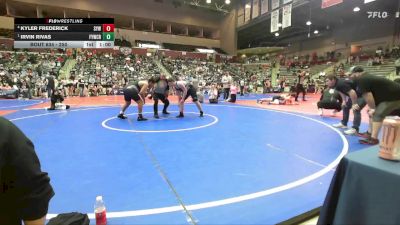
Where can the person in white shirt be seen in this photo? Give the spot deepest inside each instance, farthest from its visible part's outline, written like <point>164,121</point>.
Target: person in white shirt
<point>397,65</point>
<point>213,94</point>
<point>242,83</point>
<point>184,90</point>
<point>226,83</point>
<point>233,93</point>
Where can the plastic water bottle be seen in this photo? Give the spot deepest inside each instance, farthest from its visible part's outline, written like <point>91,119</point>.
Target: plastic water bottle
<point>100,211</point>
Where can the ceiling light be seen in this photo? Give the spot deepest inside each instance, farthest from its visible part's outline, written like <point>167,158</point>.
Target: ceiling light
<point>227,2</point>
<point>276,34</point>
<point>316,31</point>
<point>247,6</point>
<point>368,1</point>
<point>308,23</point>
<point>208,1</point>
<point>279,24</point>
<point>356,9</point>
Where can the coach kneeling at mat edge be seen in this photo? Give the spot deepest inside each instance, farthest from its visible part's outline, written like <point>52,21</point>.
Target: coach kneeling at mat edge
<point>382,96</point>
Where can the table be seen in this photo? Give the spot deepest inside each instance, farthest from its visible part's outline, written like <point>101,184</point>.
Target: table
<point>364,190</point>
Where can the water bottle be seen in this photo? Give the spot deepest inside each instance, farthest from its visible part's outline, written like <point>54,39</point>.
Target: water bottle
<point>100,211</point>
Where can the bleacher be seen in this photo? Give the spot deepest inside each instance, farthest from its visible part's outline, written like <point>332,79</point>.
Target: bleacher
<point>184,48</point>
<point>384,70</point>
<point>131,66</point>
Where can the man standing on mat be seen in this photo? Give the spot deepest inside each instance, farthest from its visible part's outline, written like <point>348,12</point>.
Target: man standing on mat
<point>160,93</point>
<point>136,91</point>
<point>352,99</point>
<point>184,90</point>
<point>300,85</point>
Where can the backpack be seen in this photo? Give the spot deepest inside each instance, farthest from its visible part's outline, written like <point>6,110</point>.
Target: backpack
<point>73,218</point>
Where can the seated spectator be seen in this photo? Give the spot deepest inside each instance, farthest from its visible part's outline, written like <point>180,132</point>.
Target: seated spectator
<point>377,61</point>
<point>92,91</point>
<point>213,94</point>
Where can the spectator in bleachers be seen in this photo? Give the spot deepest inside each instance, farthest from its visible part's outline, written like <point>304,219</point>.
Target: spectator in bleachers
<point>370,61</point>
<point>377,61</point>
<point>397,64</point>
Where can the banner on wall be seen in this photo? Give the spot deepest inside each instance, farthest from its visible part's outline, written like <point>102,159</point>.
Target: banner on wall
<point>255,8</point>
<point>287,16</point>
<point>264,6</point>
<point>274,21</point>
<point>240,21</point>
<point>247,11</point>
<point>286,1</point>
<point>329,3</point>
<point>274,4</point>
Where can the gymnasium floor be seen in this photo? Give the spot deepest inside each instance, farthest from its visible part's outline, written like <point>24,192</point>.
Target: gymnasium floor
<point>242,163</point>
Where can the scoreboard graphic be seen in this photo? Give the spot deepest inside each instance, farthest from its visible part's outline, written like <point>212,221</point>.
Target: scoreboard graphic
<point>64,33</point>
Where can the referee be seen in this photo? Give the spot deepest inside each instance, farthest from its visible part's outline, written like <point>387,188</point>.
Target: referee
<point>161,89</point>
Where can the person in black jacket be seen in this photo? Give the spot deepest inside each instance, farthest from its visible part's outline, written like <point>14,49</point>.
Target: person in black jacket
<point>383,98</point>
<point>25,190</point>
<point>160,92</point>
<point>50,85</point>
<point>352,100</point>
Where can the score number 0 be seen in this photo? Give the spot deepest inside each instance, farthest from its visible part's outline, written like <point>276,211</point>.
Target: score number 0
<point>108,27</point>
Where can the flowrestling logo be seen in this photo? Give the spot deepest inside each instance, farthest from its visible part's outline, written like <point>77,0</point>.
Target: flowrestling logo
<point>377,15</point>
